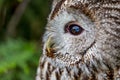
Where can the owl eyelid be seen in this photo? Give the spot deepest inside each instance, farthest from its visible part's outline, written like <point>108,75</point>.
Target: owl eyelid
<point>72,22</point>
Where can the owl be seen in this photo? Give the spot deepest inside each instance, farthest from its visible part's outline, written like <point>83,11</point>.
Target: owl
<point>81,41</point>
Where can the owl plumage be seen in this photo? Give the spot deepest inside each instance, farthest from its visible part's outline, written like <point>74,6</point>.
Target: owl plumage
<point>82,41</point>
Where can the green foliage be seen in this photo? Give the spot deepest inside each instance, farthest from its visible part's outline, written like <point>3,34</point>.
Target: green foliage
<point>19,58</point>
<point>16,60</point>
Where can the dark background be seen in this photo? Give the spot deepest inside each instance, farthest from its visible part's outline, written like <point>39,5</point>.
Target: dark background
<point>22,24</point>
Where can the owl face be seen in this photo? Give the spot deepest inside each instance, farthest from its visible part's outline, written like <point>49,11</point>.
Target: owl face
<point>78,32</point>
<point>68,37</point>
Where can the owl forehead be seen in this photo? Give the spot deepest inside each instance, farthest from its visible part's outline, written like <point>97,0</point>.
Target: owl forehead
<point>63,5</point>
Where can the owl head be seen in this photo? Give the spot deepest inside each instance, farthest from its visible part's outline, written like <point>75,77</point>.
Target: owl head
<point>75,33</point>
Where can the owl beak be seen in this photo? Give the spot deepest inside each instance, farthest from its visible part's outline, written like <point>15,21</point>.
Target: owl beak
<point>49,50</point>
<point>48,44</point>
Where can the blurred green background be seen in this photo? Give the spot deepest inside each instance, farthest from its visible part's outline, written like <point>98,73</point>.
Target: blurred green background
<point>22,24</point>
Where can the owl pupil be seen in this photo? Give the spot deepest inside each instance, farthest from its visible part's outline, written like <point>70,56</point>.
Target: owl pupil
<point>75,29</point>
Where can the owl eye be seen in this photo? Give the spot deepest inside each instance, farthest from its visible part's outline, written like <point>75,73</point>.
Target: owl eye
<point>74,28</point>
